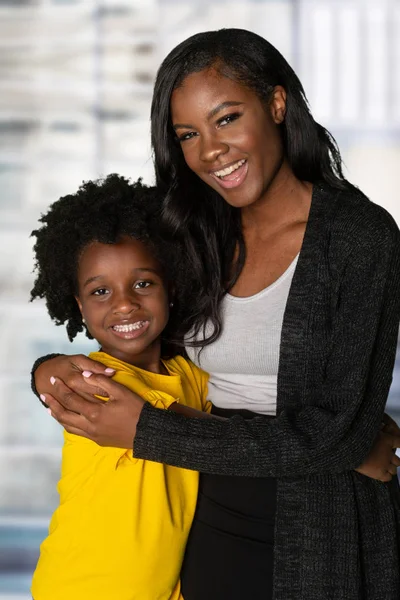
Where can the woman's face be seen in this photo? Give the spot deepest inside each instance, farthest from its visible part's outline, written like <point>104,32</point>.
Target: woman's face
<point>229,138</point>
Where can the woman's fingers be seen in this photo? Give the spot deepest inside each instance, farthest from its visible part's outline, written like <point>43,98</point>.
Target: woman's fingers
<point>69,369</point>
<point>392,469</point>
<point>395,460</point>
<point>71,421</point>
<point>82,363</point>
<point>390,425</point>
<point>111,389</point>
<point>111,423</point>
<point>395,441</point>
<point>72,401</point>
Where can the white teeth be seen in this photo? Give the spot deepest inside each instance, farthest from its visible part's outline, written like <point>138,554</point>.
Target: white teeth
<point>230,169</point>
<point>129,327</point>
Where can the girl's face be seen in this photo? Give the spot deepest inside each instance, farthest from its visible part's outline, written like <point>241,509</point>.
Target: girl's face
<point>123,299</point>
<point>229,138</point>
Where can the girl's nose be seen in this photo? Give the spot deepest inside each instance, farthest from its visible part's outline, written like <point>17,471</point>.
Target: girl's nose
<point>125,304</point>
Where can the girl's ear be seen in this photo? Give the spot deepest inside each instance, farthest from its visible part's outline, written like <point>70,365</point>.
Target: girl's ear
<point>79,303</point>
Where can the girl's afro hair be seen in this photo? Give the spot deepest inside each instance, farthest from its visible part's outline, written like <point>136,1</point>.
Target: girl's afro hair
<point>102,211</point>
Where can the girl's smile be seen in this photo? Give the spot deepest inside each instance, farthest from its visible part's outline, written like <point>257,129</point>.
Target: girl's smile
<point>130,331</point>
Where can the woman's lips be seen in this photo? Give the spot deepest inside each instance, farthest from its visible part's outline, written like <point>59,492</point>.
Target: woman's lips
<point>234,179</point>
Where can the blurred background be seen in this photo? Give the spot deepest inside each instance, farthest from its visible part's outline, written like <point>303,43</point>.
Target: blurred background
<point>76,81</point>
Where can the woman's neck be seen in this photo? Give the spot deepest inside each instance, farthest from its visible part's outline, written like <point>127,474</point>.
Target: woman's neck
<point>287,200</point>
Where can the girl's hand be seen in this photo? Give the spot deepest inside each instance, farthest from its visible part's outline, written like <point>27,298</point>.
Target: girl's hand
<point>111,423</point>
<point>69,369</point>
<point>382,462</point>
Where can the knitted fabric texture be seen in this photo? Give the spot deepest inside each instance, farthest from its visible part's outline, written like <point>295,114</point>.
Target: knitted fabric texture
<point>337,531</point>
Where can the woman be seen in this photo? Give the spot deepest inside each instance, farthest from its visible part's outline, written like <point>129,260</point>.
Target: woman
<point>292,267</point>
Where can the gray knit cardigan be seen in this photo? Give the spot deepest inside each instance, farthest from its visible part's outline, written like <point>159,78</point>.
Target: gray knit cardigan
<point>337,532</point>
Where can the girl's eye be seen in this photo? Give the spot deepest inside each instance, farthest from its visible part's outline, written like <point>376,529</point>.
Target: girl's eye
<point>100,292</point>
<point>186,136</point>
<point>142,285</point>
<point>228,119</point>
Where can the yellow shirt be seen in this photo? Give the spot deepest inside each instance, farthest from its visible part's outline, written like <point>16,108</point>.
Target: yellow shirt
<point>122,525</point>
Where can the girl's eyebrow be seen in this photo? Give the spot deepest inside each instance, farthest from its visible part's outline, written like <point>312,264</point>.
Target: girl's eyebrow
<point>91,279</point>
<point>211,114</point>
<point>135,270</point>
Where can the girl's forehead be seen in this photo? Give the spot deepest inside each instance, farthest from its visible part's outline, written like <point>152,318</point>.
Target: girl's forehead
<point>129,250</point>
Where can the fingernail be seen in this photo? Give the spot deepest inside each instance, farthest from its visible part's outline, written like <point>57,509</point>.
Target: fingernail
<point>52,380</point>
<point>87,373</point>
<point>43,397</point>
<point>48,410</point>
<point>108,370</point>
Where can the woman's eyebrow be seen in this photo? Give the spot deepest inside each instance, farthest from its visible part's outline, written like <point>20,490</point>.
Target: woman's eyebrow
<point>211,114</point>
<point>221,106</point>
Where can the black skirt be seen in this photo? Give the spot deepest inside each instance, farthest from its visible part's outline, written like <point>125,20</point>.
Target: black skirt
<point>229,554</point>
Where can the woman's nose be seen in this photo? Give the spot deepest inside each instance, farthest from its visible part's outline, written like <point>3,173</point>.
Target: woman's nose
<point>212,148</point>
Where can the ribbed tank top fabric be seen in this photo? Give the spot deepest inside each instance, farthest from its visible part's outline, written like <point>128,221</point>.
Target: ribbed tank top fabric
<point>239,378</point>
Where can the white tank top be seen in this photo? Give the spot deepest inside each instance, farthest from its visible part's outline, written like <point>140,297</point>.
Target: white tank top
<point>243,363</point>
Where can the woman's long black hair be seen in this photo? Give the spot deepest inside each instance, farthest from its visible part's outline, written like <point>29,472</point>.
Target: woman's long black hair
<point>193,211</point>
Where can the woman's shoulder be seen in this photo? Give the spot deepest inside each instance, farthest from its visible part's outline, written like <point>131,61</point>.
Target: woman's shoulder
<point>358,221</point>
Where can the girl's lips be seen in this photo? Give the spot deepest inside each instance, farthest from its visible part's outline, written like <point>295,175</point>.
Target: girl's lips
<point>234,179</point>
<point>133,334</point>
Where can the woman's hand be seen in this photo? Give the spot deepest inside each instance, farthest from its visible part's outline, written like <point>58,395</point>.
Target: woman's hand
<point>111,423</point>
<point>382,462</point>
<point>69,369</point>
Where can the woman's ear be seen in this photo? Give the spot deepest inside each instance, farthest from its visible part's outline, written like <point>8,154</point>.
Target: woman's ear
<point>171,295</point>
<point>278,104</point>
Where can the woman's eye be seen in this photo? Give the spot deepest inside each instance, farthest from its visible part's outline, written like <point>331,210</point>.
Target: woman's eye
<point>186,136</point>
<point>228,119</point>
<point>100,292</point>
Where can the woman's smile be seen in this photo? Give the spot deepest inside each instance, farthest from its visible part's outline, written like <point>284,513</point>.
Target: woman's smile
<point>232,175</point>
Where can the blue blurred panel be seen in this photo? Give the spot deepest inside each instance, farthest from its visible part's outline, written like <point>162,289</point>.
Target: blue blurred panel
<point>19,552</point>
<point>393,404</point>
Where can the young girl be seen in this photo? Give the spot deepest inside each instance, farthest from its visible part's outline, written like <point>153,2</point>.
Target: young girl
<point>122,524</point>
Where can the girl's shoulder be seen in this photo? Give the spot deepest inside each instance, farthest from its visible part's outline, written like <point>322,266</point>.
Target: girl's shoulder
<point>184,367</point>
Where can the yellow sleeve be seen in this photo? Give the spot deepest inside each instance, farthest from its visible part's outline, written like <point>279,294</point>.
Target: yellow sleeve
<point>198,380</point>
<point>79,458</point>
<point>202,378</point>
<point>159,399</point>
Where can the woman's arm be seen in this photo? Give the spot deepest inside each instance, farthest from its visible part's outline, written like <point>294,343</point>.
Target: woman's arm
<point>380,464</point>
<point>334,433</point>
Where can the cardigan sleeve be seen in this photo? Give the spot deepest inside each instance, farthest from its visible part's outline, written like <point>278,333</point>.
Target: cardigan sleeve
<point>335,428</point>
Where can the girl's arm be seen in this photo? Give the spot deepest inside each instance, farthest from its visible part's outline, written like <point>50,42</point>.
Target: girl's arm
<point>67,368</point>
